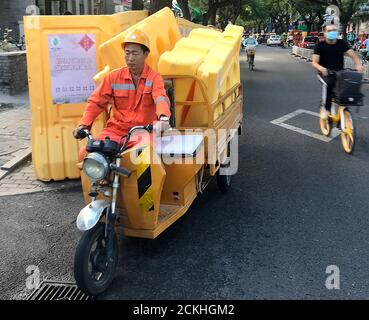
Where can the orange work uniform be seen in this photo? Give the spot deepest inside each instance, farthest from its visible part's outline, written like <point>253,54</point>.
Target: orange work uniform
<point>131,106</point>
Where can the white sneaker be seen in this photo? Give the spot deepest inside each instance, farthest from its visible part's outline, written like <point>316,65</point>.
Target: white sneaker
<point>324,114</point>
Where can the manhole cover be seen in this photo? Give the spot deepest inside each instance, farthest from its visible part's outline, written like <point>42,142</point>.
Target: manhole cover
<point>50,290</point>
<point>9,145</point>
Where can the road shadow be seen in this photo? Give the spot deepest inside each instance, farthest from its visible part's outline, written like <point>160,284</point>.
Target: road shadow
<point>257,70</point>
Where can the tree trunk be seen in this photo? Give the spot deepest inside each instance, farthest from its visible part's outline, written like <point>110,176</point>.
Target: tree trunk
<point>137,5</point>
<point>213,17</point>
<point>185,9</point>
<point>344,30</point>
<point>156,5</point>
<point>205,18</point>
<point>213,6</point>
<point>236,11</point>
<point>234,19</point>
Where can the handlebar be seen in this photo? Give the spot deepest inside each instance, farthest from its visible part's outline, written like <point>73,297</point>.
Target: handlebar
<point>83,133</point>
<point>333,72</point>
<point>148,128</point>
<point>120,170</point>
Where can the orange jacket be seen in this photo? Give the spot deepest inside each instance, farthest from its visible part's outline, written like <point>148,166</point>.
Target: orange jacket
<point>132,106</point>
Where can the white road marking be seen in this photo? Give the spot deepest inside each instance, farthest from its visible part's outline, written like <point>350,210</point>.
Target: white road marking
<point>257,58</point>
<point>281,122</point>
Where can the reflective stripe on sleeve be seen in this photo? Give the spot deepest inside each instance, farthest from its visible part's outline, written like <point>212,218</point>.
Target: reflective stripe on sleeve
<point>161,98</point>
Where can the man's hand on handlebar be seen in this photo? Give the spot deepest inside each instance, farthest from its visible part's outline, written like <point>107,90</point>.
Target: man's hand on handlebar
<point>360,69</point>
<point>324,71</point>
<point>161,126</point>
<point>77,132</point>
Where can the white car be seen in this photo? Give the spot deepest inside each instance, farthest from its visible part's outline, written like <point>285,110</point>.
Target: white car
<point>274,40</point>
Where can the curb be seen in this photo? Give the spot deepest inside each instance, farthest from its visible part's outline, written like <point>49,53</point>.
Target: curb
<point>47,189</point>
<point>19,157</point>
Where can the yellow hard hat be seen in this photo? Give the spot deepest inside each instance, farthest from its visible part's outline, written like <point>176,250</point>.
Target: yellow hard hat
<point>136,36</point>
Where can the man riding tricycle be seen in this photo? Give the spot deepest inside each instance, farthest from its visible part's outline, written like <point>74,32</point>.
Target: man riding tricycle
<point>139,175</point>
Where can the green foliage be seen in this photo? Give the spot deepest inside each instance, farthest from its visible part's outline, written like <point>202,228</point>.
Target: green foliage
<point>258,14</point>
<point>348,9</point>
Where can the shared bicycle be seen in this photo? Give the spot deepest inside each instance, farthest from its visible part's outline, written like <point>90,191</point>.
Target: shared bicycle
<point>340,117</point>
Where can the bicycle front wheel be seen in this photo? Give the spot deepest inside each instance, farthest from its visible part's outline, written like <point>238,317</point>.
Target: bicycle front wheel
<point>325,125</point>
<point>251,62</point>
<point>348,136</point>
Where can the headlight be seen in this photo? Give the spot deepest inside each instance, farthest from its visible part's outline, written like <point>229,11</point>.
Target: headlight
<point>95,166</point>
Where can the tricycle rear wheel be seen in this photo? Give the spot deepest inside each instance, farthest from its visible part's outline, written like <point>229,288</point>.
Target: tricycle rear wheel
<point>223,182</point>
<point>224,179</point>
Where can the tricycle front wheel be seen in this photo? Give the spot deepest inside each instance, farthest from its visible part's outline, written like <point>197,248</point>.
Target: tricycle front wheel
<point>92,270</point>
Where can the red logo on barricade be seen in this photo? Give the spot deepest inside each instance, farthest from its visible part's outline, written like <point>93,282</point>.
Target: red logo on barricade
<point>86,43</point>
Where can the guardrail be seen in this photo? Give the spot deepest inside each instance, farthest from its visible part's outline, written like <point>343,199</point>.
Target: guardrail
<point>306,54</point>
<point>302,53</point>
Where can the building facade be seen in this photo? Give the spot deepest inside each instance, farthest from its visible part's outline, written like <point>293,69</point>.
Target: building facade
<point>359,27</point>
<point>77,7</point>
<point>12,12</point>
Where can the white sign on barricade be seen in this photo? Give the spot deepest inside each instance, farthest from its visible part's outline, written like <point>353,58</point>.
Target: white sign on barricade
<point>72,67</point>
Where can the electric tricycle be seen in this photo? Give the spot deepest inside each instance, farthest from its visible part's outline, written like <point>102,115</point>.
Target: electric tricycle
<point>141,190</point>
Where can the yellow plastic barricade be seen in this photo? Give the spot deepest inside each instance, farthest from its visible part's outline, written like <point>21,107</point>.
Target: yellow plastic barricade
<point>162,31</point>
<point>62,59</point>
<point>211,57</point>
<point>220,70</point>
<point>185,26</point>
<point>184,60</point>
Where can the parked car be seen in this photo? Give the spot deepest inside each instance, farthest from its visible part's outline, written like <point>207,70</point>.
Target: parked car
<point>309,42</point>
<point>274,40</point>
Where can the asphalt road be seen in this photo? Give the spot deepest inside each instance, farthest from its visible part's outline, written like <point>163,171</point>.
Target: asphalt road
<point>297,206</point>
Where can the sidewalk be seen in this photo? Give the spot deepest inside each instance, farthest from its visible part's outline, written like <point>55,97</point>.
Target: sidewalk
<point>15,132</point>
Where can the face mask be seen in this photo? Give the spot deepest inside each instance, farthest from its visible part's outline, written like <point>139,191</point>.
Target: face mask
<point>332,35</point>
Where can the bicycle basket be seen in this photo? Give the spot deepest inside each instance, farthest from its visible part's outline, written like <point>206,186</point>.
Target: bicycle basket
<point>250,50</point>
<point>348,87</point>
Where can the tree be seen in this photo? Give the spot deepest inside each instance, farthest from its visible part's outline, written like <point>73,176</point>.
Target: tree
<point>156,5</point>
<point>256,12</point>
<point>347,10</point>
<point>230,13</point>
<point>137,5</point>
<point>185,9</point>
<point>279,13</point>
<point>311,13</point>
<point>210,9</point>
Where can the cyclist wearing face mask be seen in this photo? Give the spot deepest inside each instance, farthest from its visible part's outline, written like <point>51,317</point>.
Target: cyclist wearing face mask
<point>329,55</point>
